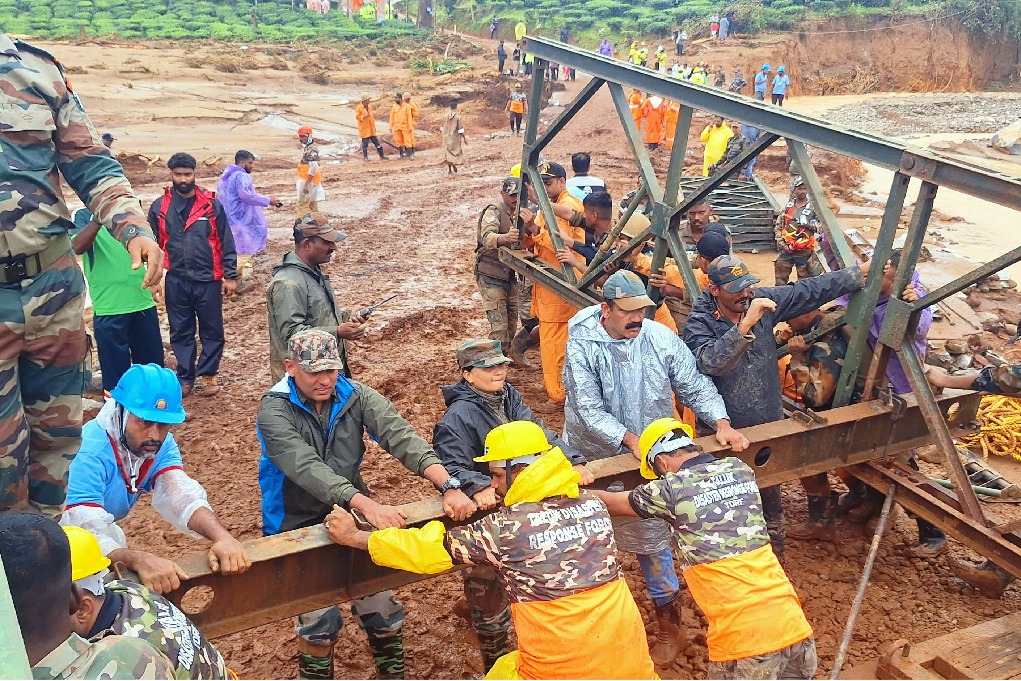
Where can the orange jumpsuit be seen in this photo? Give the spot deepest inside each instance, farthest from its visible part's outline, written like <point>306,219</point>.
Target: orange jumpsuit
<point>670,123</point>
<point>653,110</point>
<point>551,310</point>
<point>635,102</point>
<point>401,124</point>
<point>366,121</point>
<point>413,113</point>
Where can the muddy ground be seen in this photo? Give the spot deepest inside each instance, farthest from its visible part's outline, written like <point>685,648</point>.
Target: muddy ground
<point>411,231</point>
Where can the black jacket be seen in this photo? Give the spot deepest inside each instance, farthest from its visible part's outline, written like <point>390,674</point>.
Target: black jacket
<point>460,435</point>
<point>196,240</point>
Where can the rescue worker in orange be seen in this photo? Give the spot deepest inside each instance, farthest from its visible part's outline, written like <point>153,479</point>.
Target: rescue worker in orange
<point>310,175</point>
<point>400,126</point>
<point>673,110</point>
<point>635,101</point>
<point>413,113</point>
<point>367,128</point>
<point>553,313</point>
<point>552,547</point>
<point>653,111</point>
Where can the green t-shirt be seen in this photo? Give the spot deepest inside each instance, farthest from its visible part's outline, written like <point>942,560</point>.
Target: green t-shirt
<point>115,287</point>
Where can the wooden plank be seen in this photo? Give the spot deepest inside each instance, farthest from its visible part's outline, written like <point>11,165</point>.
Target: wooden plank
<point>990,658</point>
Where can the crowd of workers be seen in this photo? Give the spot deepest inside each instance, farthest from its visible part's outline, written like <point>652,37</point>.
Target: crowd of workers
<point>635,375</point>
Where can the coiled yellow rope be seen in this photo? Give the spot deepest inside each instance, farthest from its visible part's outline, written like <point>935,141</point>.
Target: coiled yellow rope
<point>999,433</point>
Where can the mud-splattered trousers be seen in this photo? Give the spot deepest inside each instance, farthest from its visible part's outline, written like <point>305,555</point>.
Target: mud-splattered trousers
<point>45,136</point>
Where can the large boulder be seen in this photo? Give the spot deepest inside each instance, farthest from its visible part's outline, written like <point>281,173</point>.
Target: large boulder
<point>1009,139</point>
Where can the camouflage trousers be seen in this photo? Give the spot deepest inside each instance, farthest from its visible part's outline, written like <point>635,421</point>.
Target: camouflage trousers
<point>490,610</point>
<point>42,377</point>
<point>525,304</point>
<point>776,523</point>
<point>1001,380</point>
<point>793,662</point>
<point>500,301</point>
<point>380,615</point>
<point>806,262</point>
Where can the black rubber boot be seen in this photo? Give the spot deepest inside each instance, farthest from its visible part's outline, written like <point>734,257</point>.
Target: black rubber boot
<point>401,150</point>
<point>365,154</point>
<point>670,640</point>
<point>388,655</point>
<point>931,540</point>
<point>821,519</point>
<point>382,156</point>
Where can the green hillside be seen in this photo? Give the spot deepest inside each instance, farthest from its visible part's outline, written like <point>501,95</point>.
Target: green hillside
<point>587,20</point>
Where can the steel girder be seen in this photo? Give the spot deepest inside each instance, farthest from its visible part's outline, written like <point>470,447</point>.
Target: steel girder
<point>302,570</point>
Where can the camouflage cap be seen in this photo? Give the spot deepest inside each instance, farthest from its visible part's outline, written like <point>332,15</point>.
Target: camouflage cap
<point>626,289</point>
<point>316,224</point>
<point>730,274</point>
<point>511,185</point>
<point>480,353</point>
<point>314,350</point>
<point>797,181</point>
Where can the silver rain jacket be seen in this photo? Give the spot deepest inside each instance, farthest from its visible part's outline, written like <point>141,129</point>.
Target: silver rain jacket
<point>616,386</point>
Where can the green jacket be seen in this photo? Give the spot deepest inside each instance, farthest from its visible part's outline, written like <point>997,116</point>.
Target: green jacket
<point>305,469</point>
<point>299,297</point>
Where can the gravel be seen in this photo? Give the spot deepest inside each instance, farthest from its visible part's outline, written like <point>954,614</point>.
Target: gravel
<point>913,115</point>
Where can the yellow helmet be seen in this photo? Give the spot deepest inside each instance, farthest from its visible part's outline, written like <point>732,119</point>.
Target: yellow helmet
<point>87,558</point>
<point>516,170</point>
<point>652,434</point>
<point>514,440</point>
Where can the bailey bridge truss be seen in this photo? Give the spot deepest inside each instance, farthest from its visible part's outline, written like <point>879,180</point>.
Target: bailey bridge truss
<point>298,571</point>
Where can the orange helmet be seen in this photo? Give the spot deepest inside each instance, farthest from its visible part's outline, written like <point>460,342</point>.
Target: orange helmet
<point>304,130</point>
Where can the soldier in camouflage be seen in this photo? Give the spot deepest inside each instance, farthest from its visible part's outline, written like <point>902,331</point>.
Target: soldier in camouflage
<point>713,507</point>
<point>553,550</point>
<point>45,135</point>
<point>498,282</point>
<point>796,229</point>
<point>129,609</point>
<point>37,560</point>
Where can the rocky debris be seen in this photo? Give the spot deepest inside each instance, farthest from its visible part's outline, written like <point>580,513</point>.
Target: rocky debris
<point>913,115</point>
<point>1009,139</point>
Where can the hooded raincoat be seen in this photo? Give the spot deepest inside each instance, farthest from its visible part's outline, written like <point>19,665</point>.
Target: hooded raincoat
<point>243,206</point>
<point>616,386</point>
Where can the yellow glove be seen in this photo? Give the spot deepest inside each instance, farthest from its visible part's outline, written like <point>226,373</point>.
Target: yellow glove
<point>418,549</point>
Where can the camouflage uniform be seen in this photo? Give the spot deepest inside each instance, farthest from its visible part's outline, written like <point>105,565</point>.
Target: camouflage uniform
<point>114,657</point>
<point>152,618</point>
<point>797,228</point>
<point>45,134</point>
<point>715,515</point>
<point>496,281</point>
<point>1002,380</point>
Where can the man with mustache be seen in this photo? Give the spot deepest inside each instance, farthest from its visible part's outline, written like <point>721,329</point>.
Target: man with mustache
<point>621,374</point>
<point>201,263</point>
<point>127,450</point>
<point>730,331</point>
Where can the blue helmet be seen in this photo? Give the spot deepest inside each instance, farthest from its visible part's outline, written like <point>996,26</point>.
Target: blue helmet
<point>151,393</point>
<point>781,69</point>
<point>765,67</point>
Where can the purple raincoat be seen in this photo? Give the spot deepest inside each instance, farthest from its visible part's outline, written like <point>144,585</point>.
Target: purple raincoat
<point>244,210</point>
<point>894,371</point>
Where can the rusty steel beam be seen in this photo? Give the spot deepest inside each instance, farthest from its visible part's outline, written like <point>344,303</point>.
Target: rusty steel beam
<point>302,570</point>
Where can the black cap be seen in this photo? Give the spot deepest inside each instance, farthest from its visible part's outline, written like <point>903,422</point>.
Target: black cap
<point>712,245</point>
<point>550,169</point>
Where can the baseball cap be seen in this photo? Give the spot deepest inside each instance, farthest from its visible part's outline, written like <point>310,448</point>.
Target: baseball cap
<point>551,169</point>
<point>480,353</point>
<point>511,185</point>
<point>108,136</point>
<point>730,274</point>
<point>627,290</point>
<point>316,224</point>
<point>314,350</point>
<point>713,244</point>
<point>366,96</point>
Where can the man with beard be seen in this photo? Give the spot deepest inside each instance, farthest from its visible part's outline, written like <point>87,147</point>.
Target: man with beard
<point>300,297</point>
<point>201,264</point>
<point>730,331</point>
<point>621,374</point>
<point>127,450</point>
<point>243,206</point>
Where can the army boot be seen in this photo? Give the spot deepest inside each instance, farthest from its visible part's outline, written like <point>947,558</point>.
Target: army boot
<point>988,577</point>
<point>206,386</point>
<point>670,639</point>
<point>931,541</point>
<point>493,645</point>
<point>821,519</point>
<point>388,655</point>
<point>518,346</point>
<point>315,660</point>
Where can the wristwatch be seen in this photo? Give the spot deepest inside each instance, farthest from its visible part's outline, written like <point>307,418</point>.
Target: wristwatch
<point>449,484</point>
